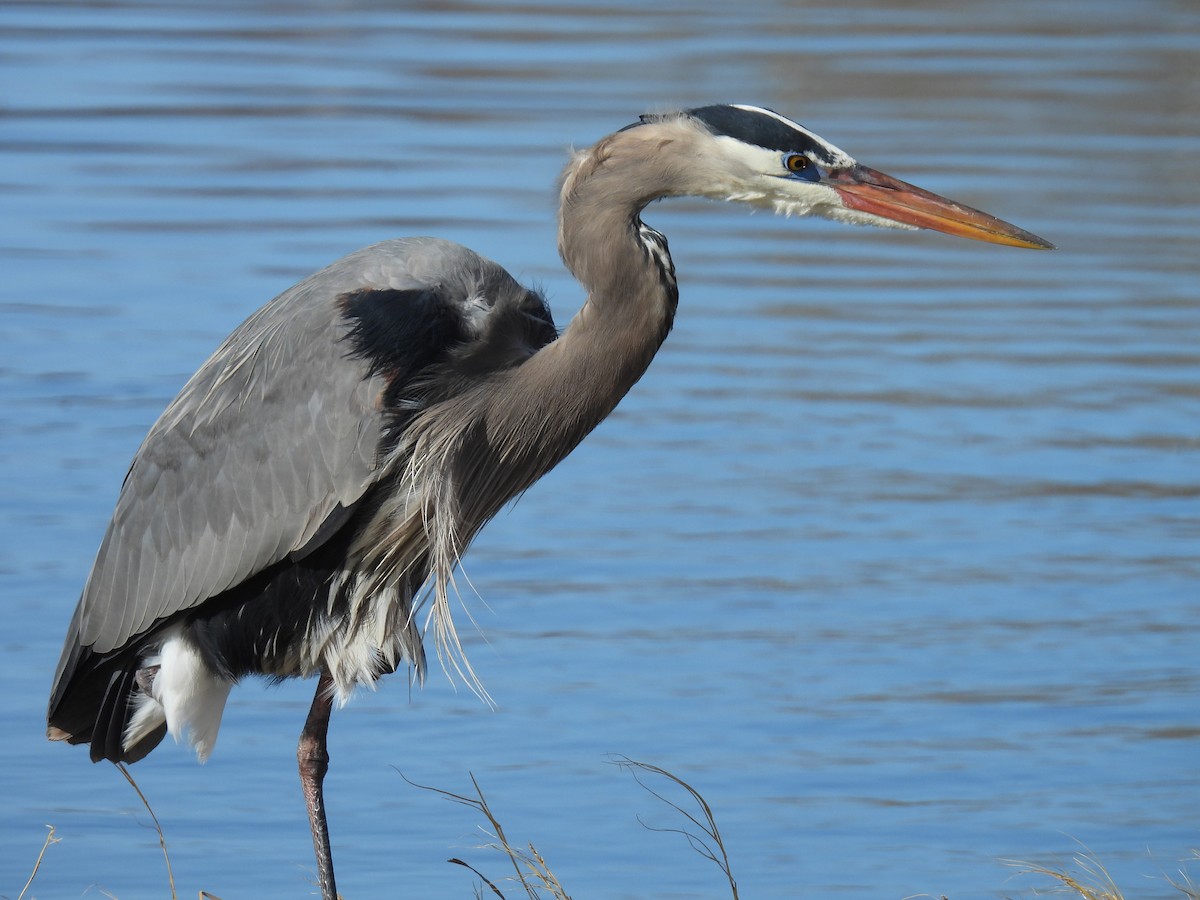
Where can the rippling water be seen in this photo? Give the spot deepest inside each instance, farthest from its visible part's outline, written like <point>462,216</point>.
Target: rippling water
<point>893,554</point>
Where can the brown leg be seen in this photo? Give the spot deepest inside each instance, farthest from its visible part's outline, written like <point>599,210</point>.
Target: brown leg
<point>314,763</point>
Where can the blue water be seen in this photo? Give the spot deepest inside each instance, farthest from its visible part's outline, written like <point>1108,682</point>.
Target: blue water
<point>894,554</point>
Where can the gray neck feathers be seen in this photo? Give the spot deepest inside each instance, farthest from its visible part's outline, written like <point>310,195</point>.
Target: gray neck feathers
<point>542,409</point>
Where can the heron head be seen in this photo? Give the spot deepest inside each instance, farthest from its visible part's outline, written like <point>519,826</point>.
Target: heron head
<point>756,156</point>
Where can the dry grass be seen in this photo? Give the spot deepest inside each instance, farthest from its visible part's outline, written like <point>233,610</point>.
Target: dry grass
<point>530,869</point>
<point>162,840</point>
<point>1091,881</point>
<point>1185,885</point>
<point>710,846</point>
<point>37,864</point>
<point>533,875</point>
<point>1084,876</point>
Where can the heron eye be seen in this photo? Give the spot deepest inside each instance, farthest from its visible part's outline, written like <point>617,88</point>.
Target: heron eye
<point>797,163</point>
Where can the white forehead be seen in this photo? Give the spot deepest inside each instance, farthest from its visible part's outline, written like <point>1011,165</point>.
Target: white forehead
<point>840,158</point>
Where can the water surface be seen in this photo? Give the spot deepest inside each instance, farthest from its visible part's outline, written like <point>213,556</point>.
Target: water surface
<point>893,554</point>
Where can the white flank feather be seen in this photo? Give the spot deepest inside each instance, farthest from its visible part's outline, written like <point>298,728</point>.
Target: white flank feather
<point>185,695</point>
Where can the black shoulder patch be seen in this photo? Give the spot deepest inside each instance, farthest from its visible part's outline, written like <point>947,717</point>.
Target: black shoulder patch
<point>760,129</point>
<point>399,333</point>
<point>428,352</point>
<point>516,329</point>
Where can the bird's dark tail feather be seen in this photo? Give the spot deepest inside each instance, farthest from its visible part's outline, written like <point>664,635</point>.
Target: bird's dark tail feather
<point>95,707</point>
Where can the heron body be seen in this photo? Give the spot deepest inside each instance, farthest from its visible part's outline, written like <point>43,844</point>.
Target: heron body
<point>336,455</point>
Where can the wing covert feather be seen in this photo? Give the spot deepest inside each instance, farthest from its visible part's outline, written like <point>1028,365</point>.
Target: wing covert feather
<point>276,430</point>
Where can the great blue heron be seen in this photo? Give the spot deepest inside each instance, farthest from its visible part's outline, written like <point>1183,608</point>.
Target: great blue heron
<point>342,447</point>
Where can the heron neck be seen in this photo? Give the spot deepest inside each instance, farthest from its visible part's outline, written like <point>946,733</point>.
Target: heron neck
<point>623,263</point>
<point>538,412</point>
<point>569,386</point>
<point>630,280</point>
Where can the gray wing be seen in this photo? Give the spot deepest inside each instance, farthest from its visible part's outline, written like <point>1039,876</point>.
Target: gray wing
<point>276,432</point>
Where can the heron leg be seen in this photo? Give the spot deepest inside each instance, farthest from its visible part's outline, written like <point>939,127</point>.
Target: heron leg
<point>313,757</point>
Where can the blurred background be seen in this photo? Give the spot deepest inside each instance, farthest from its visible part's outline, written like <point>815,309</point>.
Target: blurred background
<point>893,554</point>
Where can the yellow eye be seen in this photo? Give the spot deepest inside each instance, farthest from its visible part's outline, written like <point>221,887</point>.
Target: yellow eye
<point>797,163</point>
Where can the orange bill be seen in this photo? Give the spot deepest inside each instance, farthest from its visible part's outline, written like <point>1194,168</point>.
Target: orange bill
<point>871,191</point>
